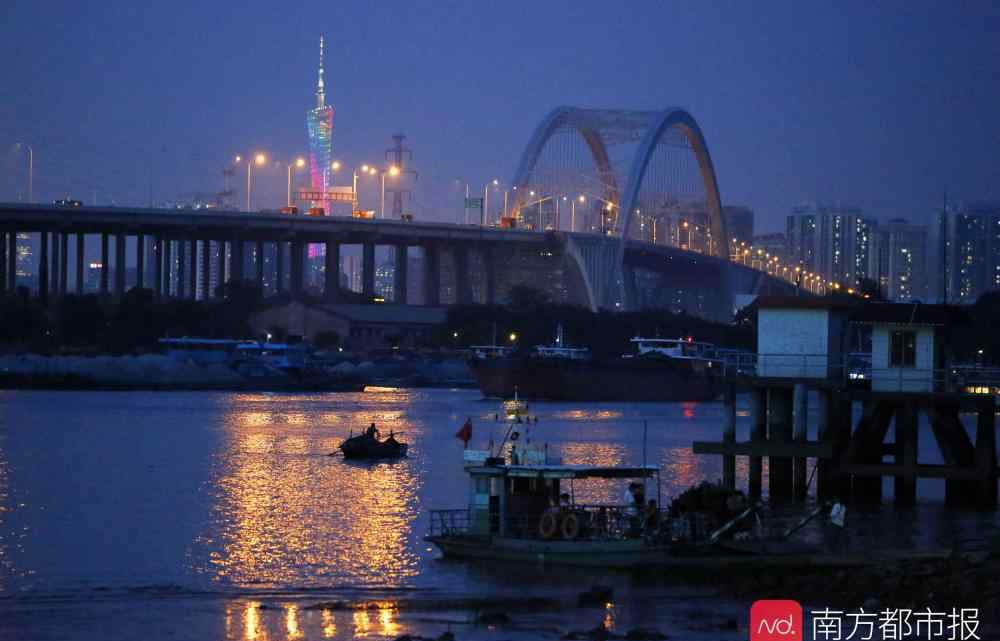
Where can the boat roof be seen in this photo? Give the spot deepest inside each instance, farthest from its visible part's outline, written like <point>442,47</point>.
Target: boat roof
<point>565,471</point>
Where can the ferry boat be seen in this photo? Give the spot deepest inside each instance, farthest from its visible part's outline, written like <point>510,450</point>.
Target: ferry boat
<point>659,369</point>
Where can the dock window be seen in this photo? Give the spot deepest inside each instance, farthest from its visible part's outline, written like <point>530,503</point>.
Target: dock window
<point>902,348</point>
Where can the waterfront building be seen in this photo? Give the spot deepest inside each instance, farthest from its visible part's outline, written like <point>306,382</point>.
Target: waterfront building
<point>900,250</point>
<point>773,244</point>
<point>384,277</point>
<point>833,241</point>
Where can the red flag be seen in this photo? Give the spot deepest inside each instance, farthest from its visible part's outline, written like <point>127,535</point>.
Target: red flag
<point>465,432</point>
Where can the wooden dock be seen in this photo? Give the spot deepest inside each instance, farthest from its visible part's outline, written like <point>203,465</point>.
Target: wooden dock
<point>851,452</point>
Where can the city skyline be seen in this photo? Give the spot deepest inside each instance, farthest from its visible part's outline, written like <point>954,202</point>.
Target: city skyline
<point>826,133</point>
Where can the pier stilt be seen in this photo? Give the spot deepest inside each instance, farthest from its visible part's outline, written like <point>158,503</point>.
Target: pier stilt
<point>800,412</point>
<point>779,428</point>
<point>906,454</point>
<point>758,432</point>
<point>729,436</point>
<point>986,452</point>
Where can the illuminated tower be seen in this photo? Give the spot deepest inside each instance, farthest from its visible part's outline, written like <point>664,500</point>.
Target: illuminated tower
<point>319,122</point>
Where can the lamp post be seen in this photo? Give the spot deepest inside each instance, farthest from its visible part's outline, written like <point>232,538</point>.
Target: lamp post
<point>486,201</point>
<point>31,170</point>
<point>392,171</point>
<point>299,163</point>
<point>258,159</point>
<point>365,169</point>
<point>572,215</point>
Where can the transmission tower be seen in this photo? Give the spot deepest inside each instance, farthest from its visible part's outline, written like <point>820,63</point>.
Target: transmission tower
<point>400,157</point>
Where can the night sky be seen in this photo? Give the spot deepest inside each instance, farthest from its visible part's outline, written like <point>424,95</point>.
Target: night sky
<point>883,105</point>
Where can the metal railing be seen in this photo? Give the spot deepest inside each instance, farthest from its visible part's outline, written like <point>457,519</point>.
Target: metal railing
<point>857,370</point>
<point>450,522</point>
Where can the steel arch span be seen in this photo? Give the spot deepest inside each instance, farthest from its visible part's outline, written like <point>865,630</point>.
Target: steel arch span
<point>623,170</point>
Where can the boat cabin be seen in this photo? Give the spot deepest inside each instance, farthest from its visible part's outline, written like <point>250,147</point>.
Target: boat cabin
<point>685,348</point>
<point>528,500</point>
<point>570,353</point>
<point>490,351</point>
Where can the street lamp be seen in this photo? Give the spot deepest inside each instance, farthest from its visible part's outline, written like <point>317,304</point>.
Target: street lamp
<point>392,171</point>
<point>298,164</point>
<point>572,215</point>
<point>486,200</point>
<point>31,169</point>
<point>258,159</point>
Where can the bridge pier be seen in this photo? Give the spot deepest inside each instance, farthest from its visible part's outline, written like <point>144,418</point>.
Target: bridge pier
<point>206,269</point>
<point>157,267</point>
<point>119,266</point>
<point>104,264</point>
<point>297,260</point>
<point>193,269</point>
<point>368,270</point>
<point>489,266</point>
<point>3,262</point>
<point>181,276</point>
<point>220,278</point>
<point>12,259</point>
<point>54,268</point>
<point>258,262</point>
<point>43,267</point>
<point>279,266</point>
<point>140,260</point>
<point>399,274</point>
<point>237,260</point>
<point>331,271</point>
<point>432,275</point>
<point>463,292</point>
<point>63,263</point>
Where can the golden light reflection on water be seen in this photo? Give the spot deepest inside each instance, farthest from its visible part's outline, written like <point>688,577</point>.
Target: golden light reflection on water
<point>292,623</point>
<point>329,625</point>
<point>288,514</point>
<point>387,621</point>
<point>252,629</point>
<point>362,623</point>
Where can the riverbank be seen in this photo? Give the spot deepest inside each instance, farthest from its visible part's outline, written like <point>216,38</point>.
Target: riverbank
<point>156,372</point>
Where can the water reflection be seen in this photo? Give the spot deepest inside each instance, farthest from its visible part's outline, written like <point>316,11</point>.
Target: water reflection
<point>287,514</point>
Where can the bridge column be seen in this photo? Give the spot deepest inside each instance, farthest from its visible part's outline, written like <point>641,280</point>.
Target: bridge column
<point>193,274</point>
<point>168,267</point>
<point>104,264</point>
<point>206,269</point>
<point>140,261</point>
<point>279,266</point>
<point>331,272</point>
<point>3,262</point>
<point>220,278</point>
<point>489,266</point>
<point>237,260</point>
<point>63,263</point>
<point>157,267</point>
<point>12,260</point>
<point>368,270</point>
<point>181,269</point>
<point>43,267</point>
<point>258,261</point>
<point>463,292</point>
<point>432,275</point>
<point>119,266</point>
<point>401,256</point>
<point>296,258</point>
<point>54,267</point>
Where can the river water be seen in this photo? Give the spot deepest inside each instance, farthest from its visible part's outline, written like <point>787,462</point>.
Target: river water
<point>221,516</point>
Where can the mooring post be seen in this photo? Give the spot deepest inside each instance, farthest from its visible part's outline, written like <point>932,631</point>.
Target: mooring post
<point>729,436</point>
<point>779,429</point>
<point>758,432</point>
<point>800,412</point>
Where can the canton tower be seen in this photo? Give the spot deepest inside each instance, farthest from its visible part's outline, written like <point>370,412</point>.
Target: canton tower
<point>319,122</point>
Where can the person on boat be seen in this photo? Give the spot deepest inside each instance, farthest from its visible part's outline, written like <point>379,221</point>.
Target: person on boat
<point>372,431</point>
<point>652,517</point>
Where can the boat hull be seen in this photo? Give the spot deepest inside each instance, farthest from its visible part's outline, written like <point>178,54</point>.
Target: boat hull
<point>625,379</point>
<point>636,554</point>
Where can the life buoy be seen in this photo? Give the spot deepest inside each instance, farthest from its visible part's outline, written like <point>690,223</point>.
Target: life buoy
<point>547,526</point>
<point>570,526</point>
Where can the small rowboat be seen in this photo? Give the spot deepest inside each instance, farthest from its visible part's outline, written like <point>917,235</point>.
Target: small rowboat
<point>368,446</point>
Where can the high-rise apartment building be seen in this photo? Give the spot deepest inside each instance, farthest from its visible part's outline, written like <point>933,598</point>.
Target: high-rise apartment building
<point>833,241</point>
<point>901,253</point>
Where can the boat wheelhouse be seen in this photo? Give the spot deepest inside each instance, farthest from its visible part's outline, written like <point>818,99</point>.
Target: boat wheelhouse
<point>681,348</point>
<point>521,512</point>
